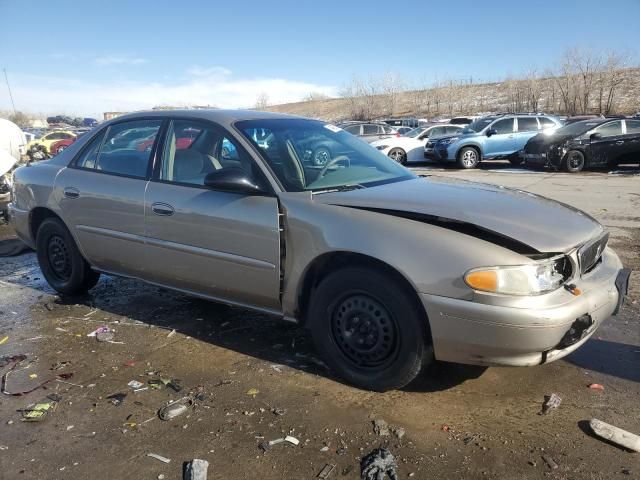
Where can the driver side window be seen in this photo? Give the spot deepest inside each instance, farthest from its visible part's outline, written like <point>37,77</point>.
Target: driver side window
<point>503,126</point>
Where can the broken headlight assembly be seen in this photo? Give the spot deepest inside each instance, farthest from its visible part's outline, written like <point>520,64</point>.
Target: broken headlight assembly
<point>534,279</point>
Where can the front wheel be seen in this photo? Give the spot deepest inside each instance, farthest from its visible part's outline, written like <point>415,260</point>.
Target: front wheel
<point>369,329</point>
<point>573,161</point>
<point>399,155</point>
<point>61,263</point>
<point>468,157</point>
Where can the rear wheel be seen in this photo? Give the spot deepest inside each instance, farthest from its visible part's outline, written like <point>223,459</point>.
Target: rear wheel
<point>368,329</point>
<point>399,155</point>
<point>573,161</point>
<point>61,263</point>
<point>468,157</point>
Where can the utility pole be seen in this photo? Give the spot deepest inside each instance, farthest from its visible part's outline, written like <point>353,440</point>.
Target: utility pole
<point>9,88</point>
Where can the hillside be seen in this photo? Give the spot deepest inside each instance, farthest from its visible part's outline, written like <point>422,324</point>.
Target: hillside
<point>549,94</point>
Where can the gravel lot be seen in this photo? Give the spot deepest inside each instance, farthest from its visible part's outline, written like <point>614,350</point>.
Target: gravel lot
<point>261,381</point>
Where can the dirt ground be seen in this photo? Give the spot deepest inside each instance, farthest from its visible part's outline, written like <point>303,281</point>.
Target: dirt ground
<point>260,380</point>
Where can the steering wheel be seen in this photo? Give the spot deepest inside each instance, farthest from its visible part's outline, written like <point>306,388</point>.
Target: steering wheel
<point>334,161</point>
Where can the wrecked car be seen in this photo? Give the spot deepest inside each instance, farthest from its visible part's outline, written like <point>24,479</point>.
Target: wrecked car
<point>388,270</point>
<point>601,142</point>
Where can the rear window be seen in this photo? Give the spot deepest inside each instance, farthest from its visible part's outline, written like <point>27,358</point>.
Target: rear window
<point>633,126</point>
<point>527,124</point>
<point>353,129</point>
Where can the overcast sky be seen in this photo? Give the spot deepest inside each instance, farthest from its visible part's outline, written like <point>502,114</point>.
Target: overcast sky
<point>83,58</point>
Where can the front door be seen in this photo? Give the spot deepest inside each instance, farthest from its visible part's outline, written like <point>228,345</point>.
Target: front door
<point>102,196</point>
<point>608,146</point>
<point>502,142</point>
<point>220,244</point>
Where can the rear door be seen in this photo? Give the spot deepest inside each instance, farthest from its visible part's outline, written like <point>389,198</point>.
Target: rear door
<point>371,132</point>
<point>527,127</point>
<point>632,141</point>
<point>220,244</point>
<point>503,141</point>
<point>609,147</point>
<point>102,195</point>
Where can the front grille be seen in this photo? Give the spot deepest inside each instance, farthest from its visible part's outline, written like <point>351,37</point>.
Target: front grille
<point>430,144</point>
<point>590,254</point>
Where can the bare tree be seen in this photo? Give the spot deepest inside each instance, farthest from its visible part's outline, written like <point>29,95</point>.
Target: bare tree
<point>390,86</point>
<point>315,96</point>
<point>610,77</point>
<point>262,101</point>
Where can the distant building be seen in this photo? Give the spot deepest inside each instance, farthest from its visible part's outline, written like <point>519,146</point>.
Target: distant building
<point>110,115</point>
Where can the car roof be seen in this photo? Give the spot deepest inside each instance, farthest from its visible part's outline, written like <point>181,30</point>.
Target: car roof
<point>218,116</point>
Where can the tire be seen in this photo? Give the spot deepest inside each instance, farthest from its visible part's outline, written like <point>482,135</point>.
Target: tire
<point>573,161</point>
<point>388,317</point>
<point>321,156</point>
<point>399,155</point>
<point>61,263</point>
<point>516,160</point>
<point>468,157</point>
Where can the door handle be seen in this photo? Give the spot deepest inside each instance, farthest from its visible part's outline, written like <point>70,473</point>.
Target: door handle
<point>162,209</point>
<point>71,192</point>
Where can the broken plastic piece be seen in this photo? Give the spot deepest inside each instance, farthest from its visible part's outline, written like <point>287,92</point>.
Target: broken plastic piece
<point>253,391</point>
<point>4,339</point>
<point>326,471</point>
<point>378,463</point>
<point>135,384</point>
<point>292,440</point>
<point>195,470</point>
<point>616,435</point>
<point>38,412</point>
<point>551,402</point>
<point>596,386</point>
<point>175,409</point>
<point>117,398</point>
<point>102,329</point>
<point>159,457</point>
<point>104,336</point>
<point>549,461</point>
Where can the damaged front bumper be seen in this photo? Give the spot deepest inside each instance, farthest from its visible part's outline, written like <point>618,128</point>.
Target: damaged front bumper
<point>488,334</point>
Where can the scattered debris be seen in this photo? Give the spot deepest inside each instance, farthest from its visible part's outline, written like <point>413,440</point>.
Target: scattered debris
<point>326,471</point>
<point>378,463</point>
<point>38,412</point>
<point>399,432</point>
<point>117,398</point>
<point>171,334</point>
<point>551,402</point>
<point>129,363</point>
<point>59,365</point>
<point>159,457</point>
<point>102,329</point>
<point>381,428</point>
<point>134,384</point>
<point>253,392</point>
<point>278,411</point>
<point>195,469</point>
<point>175,409</point>
<point>266,446</point>
<point>596,386</point>
<point>616,435</point>
<point>549,461</point>
<point>445,427</point>
<point>4,339</point>
<point>105,336</point>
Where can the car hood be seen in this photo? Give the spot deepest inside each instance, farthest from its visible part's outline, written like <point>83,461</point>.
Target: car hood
<point>542,139</point>
<point>528,219</point>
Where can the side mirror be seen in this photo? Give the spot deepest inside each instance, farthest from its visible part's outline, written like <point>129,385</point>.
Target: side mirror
<point>234,180</point>
<point>491,131</point>
<point>595,136</point>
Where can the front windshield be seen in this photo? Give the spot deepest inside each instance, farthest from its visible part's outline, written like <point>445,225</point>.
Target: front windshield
<point>415,132</point>
<point>307,155</point>
<point>478,125</point>
<point>576,128</point>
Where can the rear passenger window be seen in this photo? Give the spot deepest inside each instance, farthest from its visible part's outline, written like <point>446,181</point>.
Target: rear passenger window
<point>370,129</point>
<point>503,126</point>
<point>546,123</point>
<point>633,127</point>
<point>127,148</point>
<point>89,156</point>
<point>527,124</point>
<point>353,129</point>
<point>610,129</point>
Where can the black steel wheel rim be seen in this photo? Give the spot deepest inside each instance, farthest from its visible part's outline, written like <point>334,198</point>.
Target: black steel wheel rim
<point>59,258</point>
<point>364,331</point>
<point>575,160</point>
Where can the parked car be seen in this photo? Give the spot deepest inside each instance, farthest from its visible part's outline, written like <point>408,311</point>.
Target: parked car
<point>369,132</point>
<point>89,122</point>
<point>410,147</point>
<point>462,120</point>
<point>402,122</point>
<point>48,139</point>
<point>387,270</point>
<point>593,143</point>
<point>494,137</point>
<point>403,130</point>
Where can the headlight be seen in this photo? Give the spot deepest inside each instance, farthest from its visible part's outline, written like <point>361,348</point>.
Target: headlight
<point>535,279</point>
<point>382,147</point>
<point>449,141</point>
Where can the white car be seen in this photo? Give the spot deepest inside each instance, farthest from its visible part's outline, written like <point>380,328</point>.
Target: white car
<point>410,147</point>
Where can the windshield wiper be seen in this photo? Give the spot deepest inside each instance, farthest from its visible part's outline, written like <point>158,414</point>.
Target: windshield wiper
<point>339,188</point>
